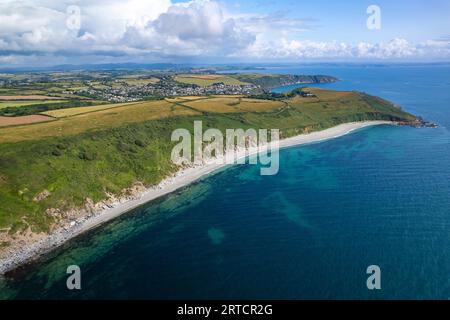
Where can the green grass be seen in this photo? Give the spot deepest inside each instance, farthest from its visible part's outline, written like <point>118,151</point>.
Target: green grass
<point>86,156</point>
<point>70,112</point>
<point>18,109</point>
<point>95,121</point>
<point>140,82</point>
<point>274,80</point>
<point>207,79</point>
<point>13,104</point>
<point>21,91</point>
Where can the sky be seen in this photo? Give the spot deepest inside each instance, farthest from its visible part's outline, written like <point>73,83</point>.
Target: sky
<point>48,32</point>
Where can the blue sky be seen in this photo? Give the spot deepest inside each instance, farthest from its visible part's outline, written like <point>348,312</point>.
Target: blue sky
<point>44,32</point>
<point>416,20</point>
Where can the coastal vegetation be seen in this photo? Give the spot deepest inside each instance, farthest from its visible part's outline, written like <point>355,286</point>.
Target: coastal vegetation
<point>90,152</point>
<point>268,81</point>
<point>265,81</point>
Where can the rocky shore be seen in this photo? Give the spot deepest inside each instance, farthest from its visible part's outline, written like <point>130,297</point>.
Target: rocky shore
<point>419,123</point>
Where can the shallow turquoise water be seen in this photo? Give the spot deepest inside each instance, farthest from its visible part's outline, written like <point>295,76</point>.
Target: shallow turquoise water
<point>379,196</point>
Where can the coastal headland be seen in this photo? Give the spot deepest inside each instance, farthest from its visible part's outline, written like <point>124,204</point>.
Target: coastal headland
<point>116,206</point>
<point>91,163</point>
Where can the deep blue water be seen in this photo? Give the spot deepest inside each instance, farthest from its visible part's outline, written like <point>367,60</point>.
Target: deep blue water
<point>378,196</point>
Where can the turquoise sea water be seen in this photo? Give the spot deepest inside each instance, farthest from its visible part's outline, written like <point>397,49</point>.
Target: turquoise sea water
<point>378,196</point>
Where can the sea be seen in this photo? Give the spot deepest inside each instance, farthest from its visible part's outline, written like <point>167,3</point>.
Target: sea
<point>377,197</point>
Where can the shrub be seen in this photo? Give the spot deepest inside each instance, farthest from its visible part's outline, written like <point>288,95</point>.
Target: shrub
<point>57,153</point>
<point>87,155</point>
<point>139,143</point>
<point>124,147</point>
<point>61,146</point>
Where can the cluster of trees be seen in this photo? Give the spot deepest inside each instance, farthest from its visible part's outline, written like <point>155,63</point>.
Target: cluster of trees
<point>42,107</point>
<point>277,96</point>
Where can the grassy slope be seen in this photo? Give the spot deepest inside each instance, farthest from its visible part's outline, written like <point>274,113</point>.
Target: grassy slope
<point>17,110</point>
<point>9,104</point>
<point>107,151</point>
<point>274,80</point>
<point>207,80</point>
<point>69,112</point>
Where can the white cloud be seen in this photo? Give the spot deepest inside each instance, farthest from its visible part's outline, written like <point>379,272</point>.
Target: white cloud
<point>193,28</point>
<point>197,27</point>
<point>440,48</point>
<point>141,29</point>
<point>194,20</point>
<point>395,49</point>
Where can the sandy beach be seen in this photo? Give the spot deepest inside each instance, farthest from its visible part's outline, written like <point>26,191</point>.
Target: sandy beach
<point>180,179</point>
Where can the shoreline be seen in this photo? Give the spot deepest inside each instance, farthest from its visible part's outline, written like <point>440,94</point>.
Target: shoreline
<point>184,177</point>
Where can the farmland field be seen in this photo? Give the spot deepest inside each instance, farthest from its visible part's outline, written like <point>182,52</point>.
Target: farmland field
<point>185,99</point>
<point>23,108</point>
<point>207,80</point>
<point>27,97</point>
<point>233,104</point>
<point>136,82</point>
<point>62,113</point>
<point>13,121</point>
<point>109,118</point>
<point>23,103</point>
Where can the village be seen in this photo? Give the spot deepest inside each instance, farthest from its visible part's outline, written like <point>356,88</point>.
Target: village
<point>166,87</point>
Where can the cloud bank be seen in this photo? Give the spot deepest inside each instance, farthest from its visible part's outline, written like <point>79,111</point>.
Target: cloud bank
<point>159,29</point>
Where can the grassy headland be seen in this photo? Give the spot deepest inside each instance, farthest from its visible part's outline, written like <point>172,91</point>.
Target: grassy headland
<point>87,155</point>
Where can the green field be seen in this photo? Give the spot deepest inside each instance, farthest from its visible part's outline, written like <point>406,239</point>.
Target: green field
<point>69,112</point>
<point>207,79</point>
<point>16,108</point>
<point>88,154</point>
<point>233,105</point>
<point>140,82</point>
<point>13,104</point>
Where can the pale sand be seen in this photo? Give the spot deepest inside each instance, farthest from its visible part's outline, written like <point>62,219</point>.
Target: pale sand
<point>169,185</point>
